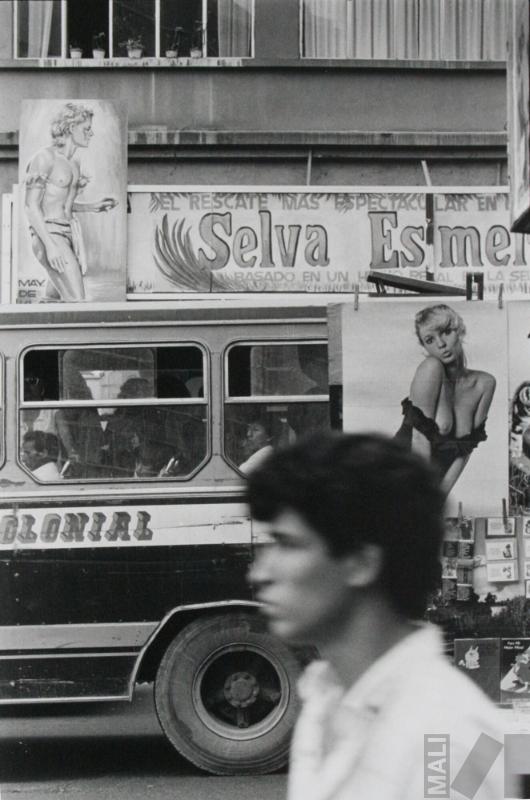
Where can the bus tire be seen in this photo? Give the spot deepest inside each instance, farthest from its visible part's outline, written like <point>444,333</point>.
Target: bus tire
<point>225,695</point>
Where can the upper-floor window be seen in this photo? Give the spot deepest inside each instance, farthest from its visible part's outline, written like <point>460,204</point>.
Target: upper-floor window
<point>274,393</point>
<point>113,413</point>
<point>405,29</point>
<point>181,28</point>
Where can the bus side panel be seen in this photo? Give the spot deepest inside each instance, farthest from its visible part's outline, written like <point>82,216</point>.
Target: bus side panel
<point>115,585</point>
<point>55,677</point>
<point>82,609</point>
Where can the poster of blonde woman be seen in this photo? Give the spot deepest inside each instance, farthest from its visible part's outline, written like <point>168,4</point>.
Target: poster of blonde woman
<point>433,374</point>
<point>72,202</point>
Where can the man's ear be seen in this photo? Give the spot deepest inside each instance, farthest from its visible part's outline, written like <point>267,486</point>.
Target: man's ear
<point>364,566</point>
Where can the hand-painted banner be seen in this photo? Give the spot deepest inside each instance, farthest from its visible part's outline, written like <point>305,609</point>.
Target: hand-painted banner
<point>292,240</point>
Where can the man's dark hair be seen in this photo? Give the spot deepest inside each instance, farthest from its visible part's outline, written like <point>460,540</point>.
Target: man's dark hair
<point>37,438</point>
<point>356,489</point>
<point>43,443</point>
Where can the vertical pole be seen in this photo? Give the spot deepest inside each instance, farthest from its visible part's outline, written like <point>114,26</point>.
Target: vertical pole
<point>111,30</point>
<point>309,167</point>
<point>158,32</point>
<point>64,32</point>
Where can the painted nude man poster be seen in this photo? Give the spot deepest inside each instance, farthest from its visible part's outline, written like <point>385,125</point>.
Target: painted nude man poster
<point>73,202</point>
<point>434,374</point>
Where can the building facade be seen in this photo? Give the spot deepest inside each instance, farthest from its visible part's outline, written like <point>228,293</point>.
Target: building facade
<point>345,92</point>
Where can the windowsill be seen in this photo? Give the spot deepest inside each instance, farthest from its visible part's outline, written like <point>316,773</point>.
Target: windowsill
<point>253,63</point>
<point>160,135</point>
<point>117,62</point>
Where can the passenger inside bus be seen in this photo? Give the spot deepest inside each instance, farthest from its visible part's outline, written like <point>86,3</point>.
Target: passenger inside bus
<point>257,446</point>
<point>103,425</point>
<point>182,427</point>
<point>156,462</point>
<point>40,452</point>
<point>81,432</point>
<point>305,418</point>
<point>40,385</point>
<point>130,427</point>
<point>277,392</point>
<point>150,441</point>
<point>36,419</point>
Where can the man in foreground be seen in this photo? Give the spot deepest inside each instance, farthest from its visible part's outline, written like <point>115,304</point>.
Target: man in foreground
<point>356,528</point>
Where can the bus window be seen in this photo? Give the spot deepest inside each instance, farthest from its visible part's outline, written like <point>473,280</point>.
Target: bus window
<point>113,413</point>
<point>275,393</point>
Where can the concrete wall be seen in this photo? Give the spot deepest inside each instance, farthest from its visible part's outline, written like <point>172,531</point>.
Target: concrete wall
<point>325,171</point>
<point>275,98</point>
<point>262,121</point>
<point>293,171</point>
<point>6,30</point>
<point>275,91</point>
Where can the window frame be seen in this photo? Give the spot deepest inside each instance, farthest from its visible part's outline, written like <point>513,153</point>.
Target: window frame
<point>390,62</point>
<point>114,56</point>
<point>275,399</point>
<point>205,401</point>
<point>267,398</point>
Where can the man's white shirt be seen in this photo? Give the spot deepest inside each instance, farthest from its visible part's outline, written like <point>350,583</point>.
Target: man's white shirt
<point>367,743</point>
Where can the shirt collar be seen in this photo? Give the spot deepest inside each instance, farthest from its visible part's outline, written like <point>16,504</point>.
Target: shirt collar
<point>374,685</point>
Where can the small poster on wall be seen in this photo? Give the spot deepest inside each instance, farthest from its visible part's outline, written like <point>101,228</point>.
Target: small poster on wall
<point>515,669</point>
<point>501,572</point>
<point>497,526</point>
<point>501,550</point>
<point>449,567</point>
<point>72,233</point>
<point>480,660</point>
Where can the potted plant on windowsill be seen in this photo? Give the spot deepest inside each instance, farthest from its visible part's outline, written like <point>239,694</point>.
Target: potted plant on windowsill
<point>75,50</point>
<point>98,45</point>
<point>174,43</point>
<point>197,38</point>
<point>134,46</point>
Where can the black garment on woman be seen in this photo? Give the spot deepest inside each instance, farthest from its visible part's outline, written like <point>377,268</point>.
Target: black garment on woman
<point>445,448</point>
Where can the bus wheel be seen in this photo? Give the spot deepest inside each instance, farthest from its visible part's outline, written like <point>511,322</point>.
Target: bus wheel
<point>225,695</point>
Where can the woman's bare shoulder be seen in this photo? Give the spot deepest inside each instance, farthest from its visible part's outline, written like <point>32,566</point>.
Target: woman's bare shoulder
<point>430,368</point>
<point>426,383</point>
<point>484,379</point>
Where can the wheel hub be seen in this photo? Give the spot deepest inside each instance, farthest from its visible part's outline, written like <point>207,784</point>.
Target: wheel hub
<point>241,689</point>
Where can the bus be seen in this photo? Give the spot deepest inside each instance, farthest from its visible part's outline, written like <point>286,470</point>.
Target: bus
<point>125,540</point>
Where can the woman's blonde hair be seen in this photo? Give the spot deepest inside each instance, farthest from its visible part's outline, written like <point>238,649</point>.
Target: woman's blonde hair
<point>447,317</point>
<point>71,114</point>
